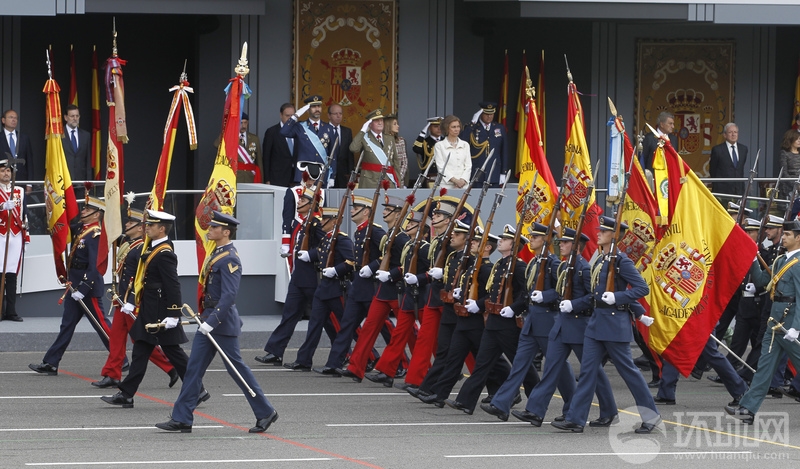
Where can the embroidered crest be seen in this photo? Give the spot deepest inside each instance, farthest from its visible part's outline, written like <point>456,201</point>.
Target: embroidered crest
<point>681,271</point>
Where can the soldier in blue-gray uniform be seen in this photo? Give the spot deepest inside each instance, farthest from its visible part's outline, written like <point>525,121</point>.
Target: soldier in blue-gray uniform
<point>609,332</point>
<point>541,307</point>
<point>221,275</point>
<point>784,286</point>
<point>88,286</point>
<point>313,139</point>
<point>567,335</point>
<point>483,136</point>
<point>334,282</point>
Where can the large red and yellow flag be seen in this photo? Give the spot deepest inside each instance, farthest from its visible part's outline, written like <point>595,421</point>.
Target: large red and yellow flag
<point>523,152</point>
<point>697,266</point>
<point>73,81</point>
<point>96,145</point>
<point>502,104</point>
<point>60,202</point>
<point>579,175</point>
<point>220,193</point>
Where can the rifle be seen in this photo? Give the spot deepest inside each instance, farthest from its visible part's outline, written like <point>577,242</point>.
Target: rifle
<point>505,284</point>
<point>573,254</point>
<point>764,219</point>
<point>306,228</point>
<point>398,223</point>
<point>382,182</point>
<point>542,258</point>
<point>351,184</point>
<point>788,213</point>
<point>442,256</point>
<point>412,264</point>
<point>740,214</point>
<point>612,252</point>
<point>473,285</point>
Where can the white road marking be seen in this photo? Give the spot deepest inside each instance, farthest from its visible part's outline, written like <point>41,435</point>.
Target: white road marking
<point>553,455</point>
<point>185,461</point>
<point>58,429</point>
<point>421,424</point>
<point>324,394</point>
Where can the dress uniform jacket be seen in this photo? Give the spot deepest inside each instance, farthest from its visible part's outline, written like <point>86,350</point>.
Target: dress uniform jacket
<point>304,150</point>
<point>83,271</point>
<point>304,274</point>
<point>131,252</point>
<point>389,291</point>
<point>433,299</point>
<point>423,147</point>
<point>253,147</point>
<point>13,220</point>
<point>475,321</point>
<point>161,297</point>
<point>409,299</point>
<point>482,142</point>
<point>343,262</point>
<point>219,294</point>
<point>572,326</point>
<point>449,282</point>
<point>541,316</point>
<point>612,323</point>
<point>363,289</point>
<point>370,164</point>
<point>495,322</point>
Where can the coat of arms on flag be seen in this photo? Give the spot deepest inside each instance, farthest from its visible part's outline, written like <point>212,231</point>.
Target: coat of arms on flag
<point>346,76</point>
<point>682,271</point>
<point>636,241</point>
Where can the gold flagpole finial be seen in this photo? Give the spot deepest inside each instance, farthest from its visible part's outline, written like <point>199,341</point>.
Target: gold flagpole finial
<point>242,68</point>
<point>49,70</point>
<point>612,108</point>
<point>114,35</point>
<point>569,73</point>
<point>184,77</point>
<point>530,91</point>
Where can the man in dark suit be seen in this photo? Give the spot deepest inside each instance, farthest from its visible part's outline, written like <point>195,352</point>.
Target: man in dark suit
<point>727,161</point>
<point>279,156</point>
<point>77,145</point>
<point>664,128</point>
<point>344,157</point>
<point>18,144</point>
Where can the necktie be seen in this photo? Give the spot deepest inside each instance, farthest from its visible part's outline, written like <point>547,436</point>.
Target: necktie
<point>290,142</point>
<point>12,145</point>
<point>335,133</point>
<point>316,127</point>
<point>380,140</point>
<point>74,142</point>
<point>734,156</point>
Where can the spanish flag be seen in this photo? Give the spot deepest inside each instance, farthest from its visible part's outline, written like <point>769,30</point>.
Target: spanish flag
<point>96,145</point>
<point>73,81</point>
<point>697,266</point>
<point>523,152</point>
<point>579,175</point>
<point>540,108</point>
<point>60,202</point>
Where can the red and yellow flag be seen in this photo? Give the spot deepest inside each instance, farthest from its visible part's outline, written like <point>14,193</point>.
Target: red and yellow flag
<point>540,105</point>
<point>697,266</point>
<point>579,175</point>
<point>502,105</point>
<point>73,82</point>
<point>523,152</point>
<point>96,145</point>
<point>60,202</point>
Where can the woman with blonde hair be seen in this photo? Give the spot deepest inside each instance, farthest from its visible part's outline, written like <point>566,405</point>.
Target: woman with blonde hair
<point>457,173</point>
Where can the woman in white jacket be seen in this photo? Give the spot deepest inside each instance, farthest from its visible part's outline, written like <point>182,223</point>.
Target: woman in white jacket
<point>457,173</point>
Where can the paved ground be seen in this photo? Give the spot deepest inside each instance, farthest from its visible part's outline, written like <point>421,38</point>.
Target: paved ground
<point>333,422</point>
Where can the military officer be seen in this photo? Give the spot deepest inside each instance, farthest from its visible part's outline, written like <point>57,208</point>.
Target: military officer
<point>221,273</point>
<point>251,162</point>
<point>86,283</point>
<point>313,139</point>
<point>423,145</point>
<point>609,332</point>
<point>13,237</point>
<point>378,151</point>
<point>484,135</point>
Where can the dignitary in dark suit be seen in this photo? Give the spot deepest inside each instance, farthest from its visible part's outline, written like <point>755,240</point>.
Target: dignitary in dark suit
<point>727,161</point>
<point>159,302</point>
<point>664,128</point>
<point>77,145</point>
<point>609,332</point>
<point>378,150</point>
<point>342,155</point>
<point>18,144</point>
<point>279,157</point>
<point>87,287</point>
<point>313,138</point>
<point>221,275</point>
<point>484,136</point>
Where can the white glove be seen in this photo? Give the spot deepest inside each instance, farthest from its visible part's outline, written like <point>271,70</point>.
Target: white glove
<point>284,250</point>
<point>383,276</point>
<point>425,129</point>
<point>646,320</point>
<point>205,328</point>
<point>608,298</point>
<point>472,307</point>
<point>436,273</point>
<point>411,279</point>
<point>791,335</point>
<point>365,272</point>
<point>365,126</point>
<point>302,110</point>
<point>329,272</point>
<point>749,290</point>
<point>128,308</point>
<point>170,322</point>
<point>507,312</point>
<point>565,306</point>
<point>502,179</point>
<point>303,256</point>
<point>457,293</point>
<point>77,296</point>
<point>476,116</point>
<point>536,296</point>
<point>331,182</point>
<point>9,205</point>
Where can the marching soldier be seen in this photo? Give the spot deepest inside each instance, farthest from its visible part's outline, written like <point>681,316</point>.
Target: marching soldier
<point>222,273</point>
<point>86,284</point>
<point>328,298</point>
<point>127,260</point>
<point>423,145</point>
<point>483,136</point>
<point>784,286</point>
<point>159,302</point>
<point>609,332</point>
<point>378,151</point>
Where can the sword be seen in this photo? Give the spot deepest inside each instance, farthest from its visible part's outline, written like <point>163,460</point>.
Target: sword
<point>779,327</point>
<point>219,349</point>
<point>730,352</point>
<point>85,308</point>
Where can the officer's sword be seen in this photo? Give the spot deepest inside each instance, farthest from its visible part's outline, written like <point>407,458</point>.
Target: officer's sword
<point>730,352</point>
<point>779,327</point>
<point>219,349</point>
<point>85,308</point>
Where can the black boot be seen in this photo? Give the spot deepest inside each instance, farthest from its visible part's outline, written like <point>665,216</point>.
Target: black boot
<point>10,310</point>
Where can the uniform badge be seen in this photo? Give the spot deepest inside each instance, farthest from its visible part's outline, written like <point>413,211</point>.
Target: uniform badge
<point>232,267</point>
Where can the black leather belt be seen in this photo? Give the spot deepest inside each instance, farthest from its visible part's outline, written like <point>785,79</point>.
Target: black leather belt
<point>784,299</point>
<point>79,265</point>
<point>209,304</point>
